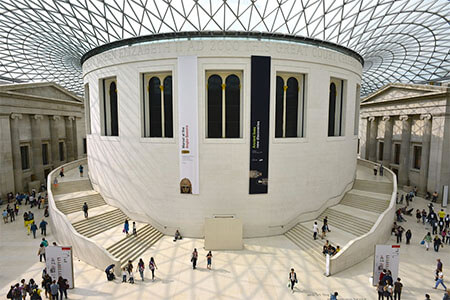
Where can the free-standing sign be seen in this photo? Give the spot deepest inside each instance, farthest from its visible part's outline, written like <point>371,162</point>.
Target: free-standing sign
<point>188,126</point>
<point>259,129</point>
<point>59,262</point>
<point>386,257</point>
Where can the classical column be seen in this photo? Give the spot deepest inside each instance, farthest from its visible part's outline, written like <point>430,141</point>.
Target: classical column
<point>36,147</point>
<point>373,138</point>
<point>366,150</point>
<point>15,147</point>
<point>54,140</point>
<point>75,138</point>
<point>6,161</point>
<point>403,173</point>
<point>387,149</point>
<point>425,158</point>
<point>69,137</point>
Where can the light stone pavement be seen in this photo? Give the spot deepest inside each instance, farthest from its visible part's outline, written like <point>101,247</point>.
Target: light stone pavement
<point>258,272</point>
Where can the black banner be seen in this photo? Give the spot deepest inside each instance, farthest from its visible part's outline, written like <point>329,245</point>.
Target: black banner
<point>259,129</point>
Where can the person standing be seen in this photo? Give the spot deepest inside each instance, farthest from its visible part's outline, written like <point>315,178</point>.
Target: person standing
<point>434,196</point>
<point>424,216</point>
<point>399,234</point>
<point>427,240</point>
<point>134,229</point>
<point>140,268</point>
<point>447,221</point>
<point>334,296</point>
<point>375,170</point>
<point>398,289</point>
<point>43,227</point>
<point>437,243</point>
<point>61,172</point>
<point>380,290</point>
<point>324,231</point>
<point>292,279</point>
<point>124,274</point>
<point>131,276</point>
<point>194,259</point>
<point>63,286</point>
<point>152,266</point>
<point>33,229</point>
<point>126,227</point>
<point>438,266</point>
<point>408,236</point>
<point>381,169</point>
<point>315,230</point>
<point>129,266</point>
<point>85,209</point>
<point>81,168</point>
<point>41,252</point>
<point>209,260</point>
<point>418,215</point>
<point>54,288</point>
<point>325,221</point>
<point>440,280</point>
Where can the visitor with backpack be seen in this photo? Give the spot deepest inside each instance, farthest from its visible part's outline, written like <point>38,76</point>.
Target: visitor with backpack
<point>152,266</point>
<point>141,268</point>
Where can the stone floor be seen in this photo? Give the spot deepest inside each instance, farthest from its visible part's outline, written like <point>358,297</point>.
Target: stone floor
<point>258,272</point>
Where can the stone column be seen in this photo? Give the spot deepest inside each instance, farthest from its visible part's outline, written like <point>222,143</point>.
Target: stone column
<point>373,138</point>
<point>15,147</point>
<point>366,147</point>
<point>36,147</point>
<point>75,139</point>
<point>6,161</point>
<point>69,137</point>
<point>54,140</point>
<point>425,158</point>
<point>387,150</point>
<point>403,173</point>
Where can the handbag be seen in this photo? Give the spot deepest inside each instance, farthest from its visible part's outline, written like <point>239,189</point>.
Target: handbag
<point>422,242</point>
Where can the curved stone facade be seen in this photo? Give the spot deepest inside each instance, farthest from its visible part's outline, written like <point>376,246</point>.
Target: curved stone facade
<point>142,175</point>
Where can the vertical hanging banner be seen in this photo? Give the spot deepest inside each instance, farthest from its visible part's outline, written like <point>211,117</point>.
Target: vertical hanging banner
<point>188,124</point>
<point>386,257</point>
<point>259,124</point>
<point>59,262</point>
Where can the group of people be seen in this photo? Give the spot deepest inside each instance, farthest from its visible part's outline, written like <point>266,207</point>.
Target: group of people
<point>440,225</point>
<point>54,289</point>
<point>127,271</point>
<point>324,229</point>
<point>386,286</point>
<point>398,231</point>
<point>378,168</point>
<point>329,249</point>
<point>194,259</point>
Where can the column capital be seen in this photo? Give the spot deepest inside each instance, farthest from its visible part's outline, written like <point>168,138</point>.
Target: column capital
<point>70,118</point>
<point>16,116</point>
<point>403,117</point>
<point>386,118</point>
<point>55,118</point>
<point>38,117</point>
<point>371,119</point>
<point>425,116</point>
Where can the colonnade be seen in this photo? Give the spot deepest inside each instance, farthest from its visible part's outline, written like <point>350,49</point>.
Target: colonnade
<point>404,163</point>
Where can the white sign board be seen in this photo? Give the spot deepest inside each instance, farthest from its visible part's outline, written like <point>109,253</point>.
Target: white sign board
<point>386,257</point>
<point>188,124</point>
<point>60,263</point>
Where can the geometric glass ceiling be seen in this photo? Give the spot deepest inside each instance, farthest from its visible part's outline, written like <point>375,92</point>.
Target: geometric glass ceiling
<point>400,41</point>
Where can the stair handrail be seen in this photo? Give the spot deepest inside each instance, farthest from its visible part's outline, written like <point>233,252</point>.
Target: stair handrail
<point>83,247</point>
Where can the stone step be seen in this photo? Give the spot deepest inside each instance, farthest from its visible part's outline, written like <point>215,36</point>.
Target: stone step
<point>100,223</point>
<point>365,203</point>
<point>346,222</point>
<point>302,237</point>
<point>76,204</point>
<point>72,186</point>
<point>373,186</point>
<point>136,249</point>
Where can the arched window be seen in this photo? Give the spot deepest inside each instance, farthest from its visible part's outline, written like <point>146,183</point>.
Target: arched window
<point>232,106</point>
<point>224,104</point>
<point>158,105</point>
<point>289,105</point>
<point>109,109</point>
<point>214,106</point>
<point>114,109</point>
<point>336,108</point>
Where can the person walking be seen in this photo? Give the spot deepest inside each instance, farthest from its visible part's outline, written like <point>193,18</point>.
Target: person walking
<point>63,286</point>
<point>152,266</point>
<point>126,227</point>
<point>399,234</point>
<point>209,260</point>
<point>381,169</point>
<point>325,221</point>
<point>380,290</point>
<point>54,288</point>
<point>85,209</point>
<point>81,168</point>
<point>129,266</point>
<point>131,276</point>
<point>375,170</point>
<point>439,266</point>
<point>292,279</point>
<point>194,259</point>
<point>141,268</point>
<point>61,172</point>
<point>408,236</point>
<point>124,274</point>
<point>424,216</point>
<point>41,252</point>
<point>440,280</point>
<point>33,229</point>
<point>334,296</point>
<point>427,240</point>
<point>315,230</point>
<point>398,289</point>
<point>447,221</point>
<point>324,231</point>
<point>418,215</point>
<point>437,243</point>
<point>43,227</point>
<point>134,229</point>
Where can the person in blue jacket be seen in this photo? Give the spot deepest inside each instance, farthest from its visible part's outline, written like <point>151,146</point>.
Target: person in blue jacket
<point>33,229</point>
<point>126,227</point>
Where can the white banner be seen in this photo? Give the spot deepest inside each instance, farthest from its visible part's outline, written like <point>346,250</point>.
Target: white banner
<point>386,257</point>
<point>60,263</point>
<point>188,124</point>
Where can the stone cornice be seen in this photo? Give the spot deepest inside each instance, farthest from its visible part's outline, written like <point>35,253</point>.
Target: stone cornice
<point>429,96</point>
<point>38,98</point>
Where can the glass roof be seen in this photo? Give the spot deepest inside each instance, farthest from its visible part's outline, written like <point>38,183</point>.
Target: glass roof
<point>400,41</point>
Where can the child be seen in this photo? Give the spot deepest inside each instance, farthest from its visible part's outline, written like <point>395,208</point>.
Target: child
<point>131,277</point>
<point>134,229</point>
<point>124,275</point>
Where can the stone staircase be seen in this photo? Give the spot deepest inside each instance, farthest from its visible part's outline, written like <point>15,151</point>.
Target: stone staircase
<point>131,247</point>
<point>76,204</point>
<point>70,196</point>
<point>354,216</point>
